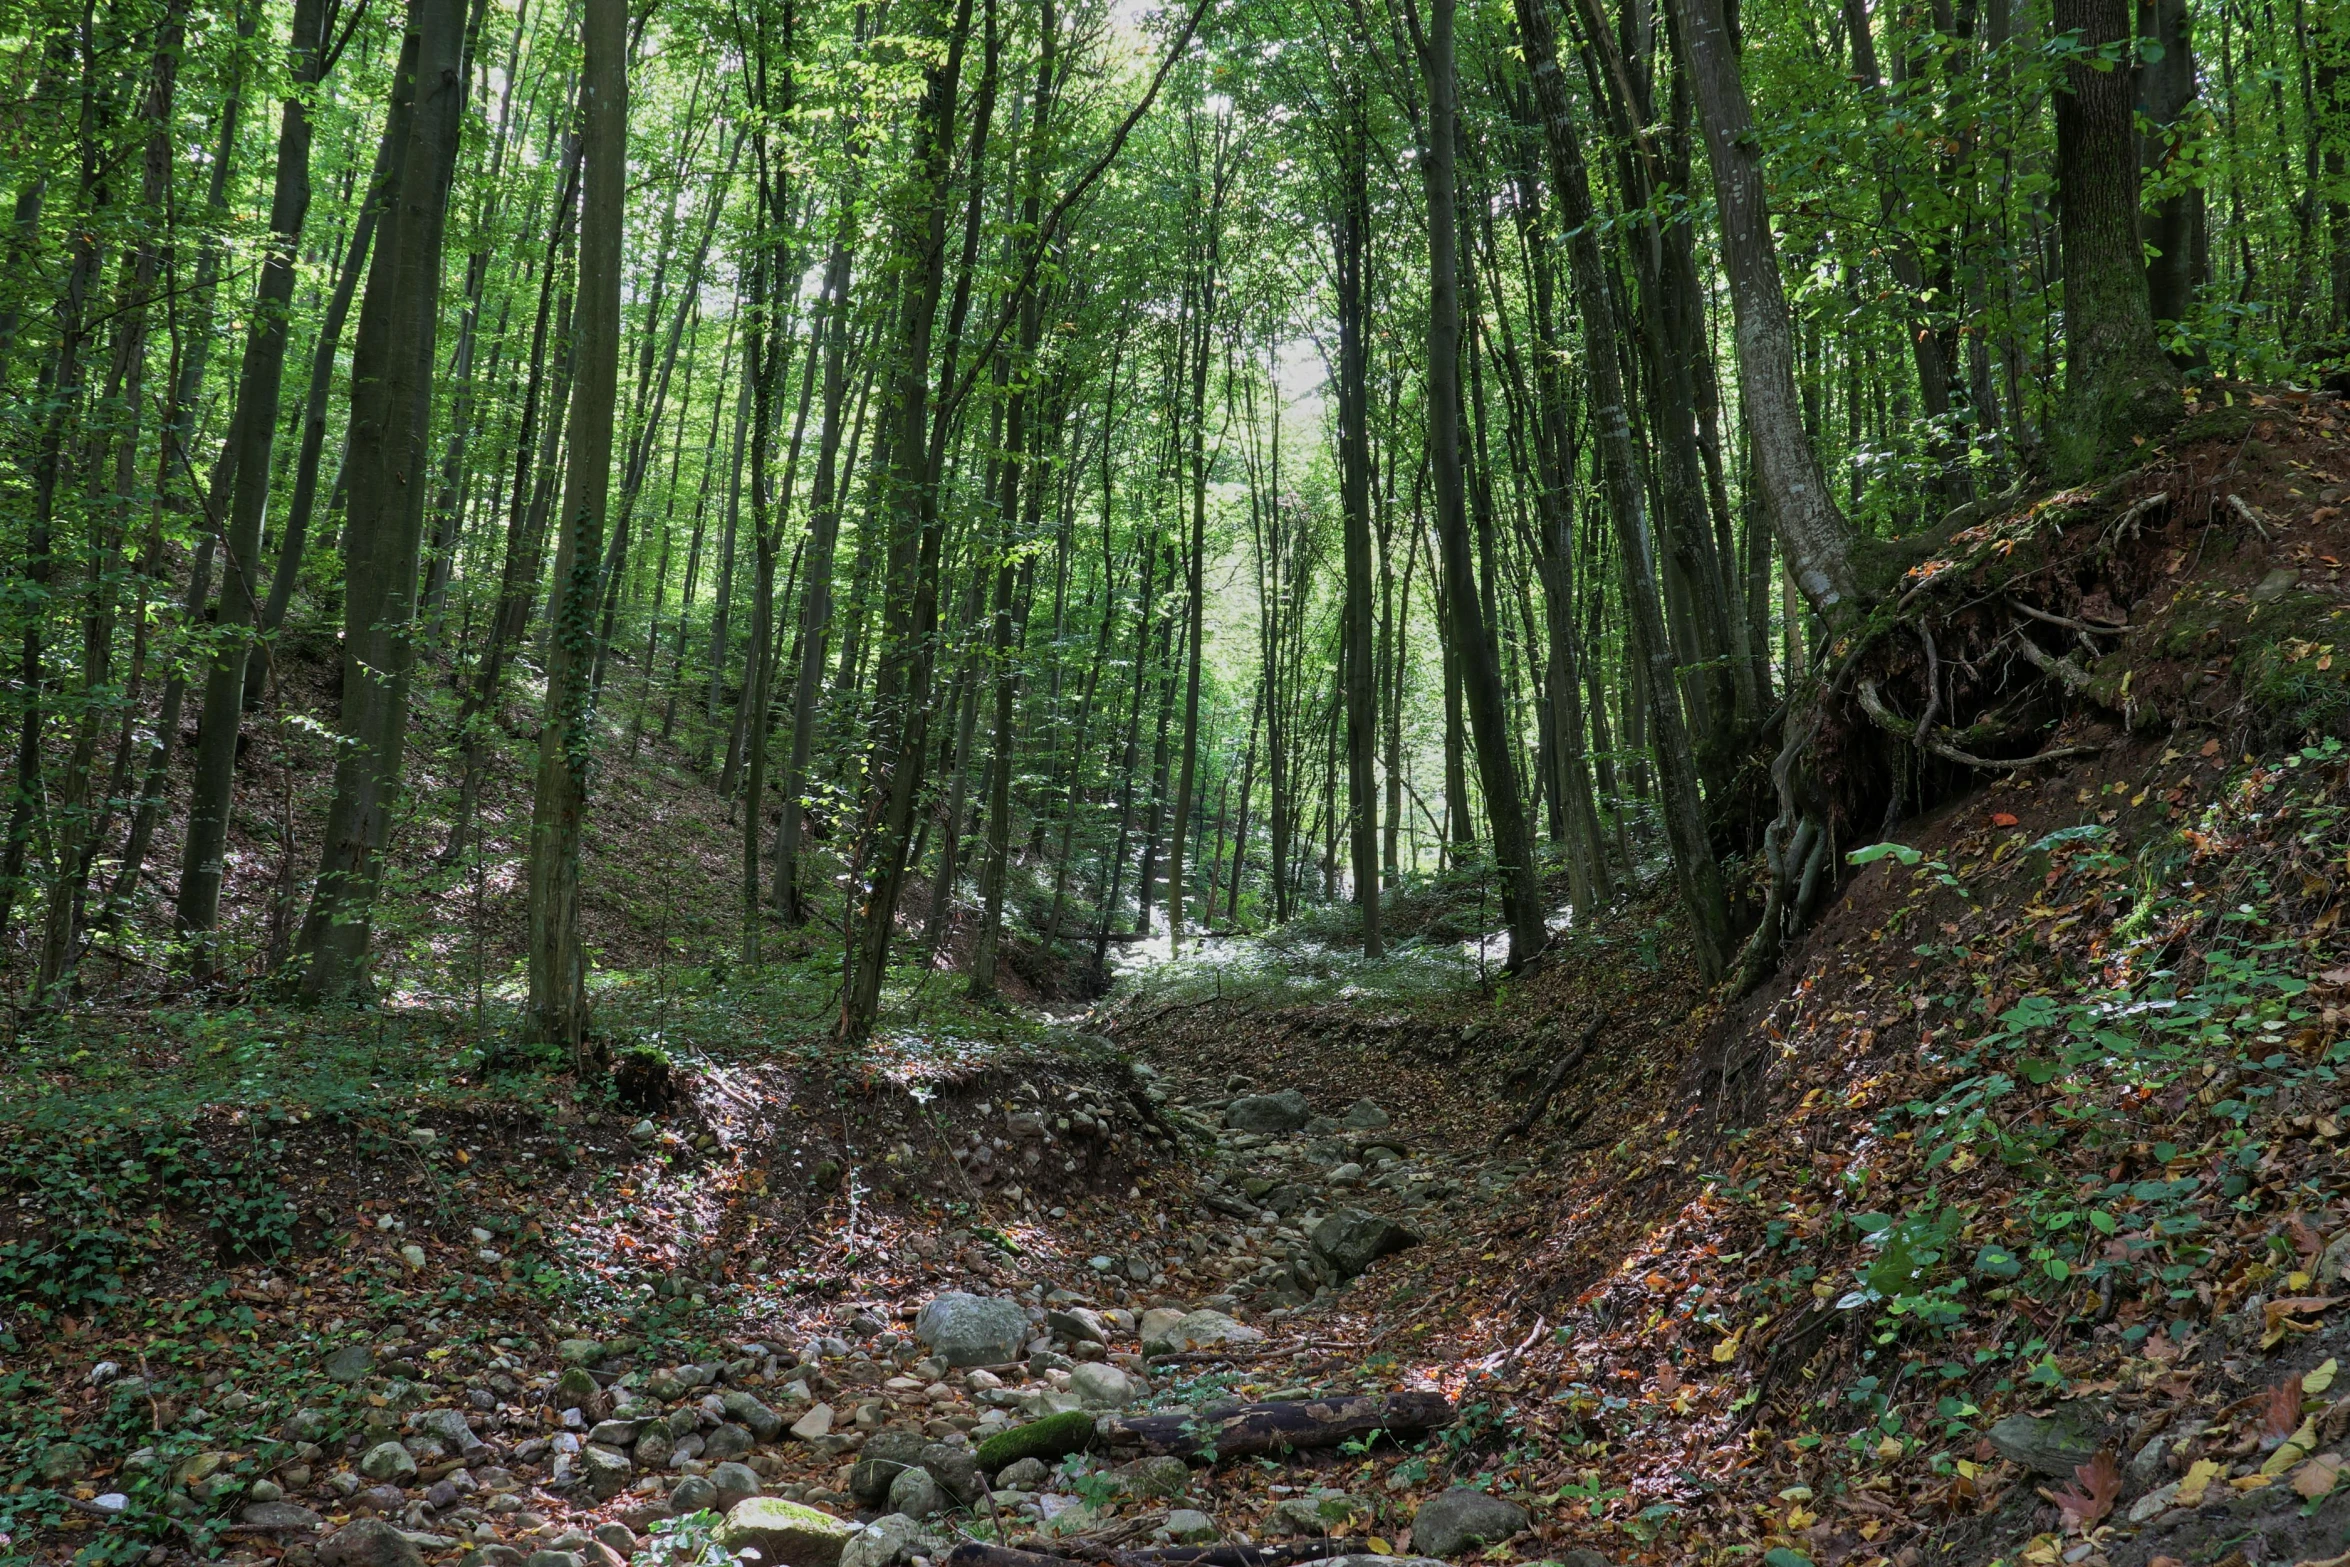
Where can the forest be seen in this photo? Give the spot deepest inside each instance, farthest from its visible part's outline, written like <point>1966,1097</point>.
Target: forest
<point>635,568</point>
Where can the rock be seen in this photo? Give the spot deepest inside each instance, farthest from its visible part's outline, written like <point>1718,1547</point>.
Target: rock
<point>885,1456</point>
<point>654,1444</point>
<point>887,1541</point>
<point>1159,1477</point>
<point>614,1433</point>
<point>1189,1526</point>
<point>2053,1444</point>
<point>1449,1523</point>
<point>491,1556</point>
<point>386,1499</point>
<point>1350,1240</point>
<point>579,1351</point>
<point>1312,1516</point>
<point>387,1461</point>
<point>1285,1111</point>
<point>618,1536</point>
<point>815,1423</point>
<point>368,1542</point>
<point>308,1425</point>
<point>786,1534</point>
<point>956,1469</point>
<point>1584,1556</point>
<point>1100,1386</point>
<point>728,1441</point>
<point>349,1363</point>
<point>1364,1116</point>
<point>693,1494</point>
<point>606,1470</point>
<point>915,1494</point>
<point>554,1559</point>
<point>1194,1330</point>
<point>1157,1320</point>
<point>62,1463</point>
<point>280,1516</point>
<point>764,1423</point>
<point>1026,1475</point>
<point>2154,1503</point>
<point>973,1330</point>
<point>451,1427</point>
<point>1055,1436</point>
<point>1076,1325</point>
<point>734,1483</point>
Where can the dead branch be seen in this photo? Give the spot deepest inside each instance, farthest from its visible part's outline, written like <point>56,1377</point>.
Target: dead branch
<point>1551,1084</point>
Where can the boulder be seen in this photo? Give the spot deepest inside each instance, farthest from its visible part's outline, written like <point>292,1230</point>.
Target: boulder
<point>889,1540</point>
<point>1053,1437</point>
<point>956,1469</point>
<point>915,1494</point>
<point>2055,1443</point>
<point>973,1330</point>
<point>734,1483</point>
<point>1158,1478</point>
<point>1190,1526</point>
<point>1100,1386</point>
<point>606,1470</point>
<point>1194,1330</point>
<point>885,1456</point>
<point>693,1494</point>
<point>575,1389</point>
<point>349,1364</point>
<point>727,1441</point>
<point>786,1534</point>
<point>815,1423</point>
<point>1026,1475</point>
<point>280,1517</point>
<point>764,1423</point>
<point>1364,1116</point>
<point>579,1351</point>
<point>368,1542</point>
<point>1285,1111</point>
<point>1449,1523</point>
<point>388,1462</point>
<point>1350,1240</point>
<point>1309,1517</point>
<point>1076,1325</point>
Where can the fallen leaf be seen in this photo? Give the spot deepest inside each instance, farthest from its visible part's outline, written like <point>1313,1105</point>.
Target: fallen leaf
<point>2096,1484</point>
<point>2280,1315</point>
<point>2320,1475</point>
<point>2318,1380</point>
<point>2296,1447</point>
<point>1727,1350</point>
<point>2002,819</point>
<point>2200,1474</point>
<point>2280,1412</point>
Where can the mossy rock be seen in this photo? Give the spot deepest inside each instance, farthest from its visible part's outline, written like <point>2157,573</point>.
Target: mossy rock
<point>786,1533</point>
<point>1055,1436</point>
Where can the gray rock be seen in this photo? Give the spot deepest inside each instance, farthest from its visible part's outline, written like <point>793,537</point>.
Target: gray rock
<point>368,1542</point>
<point>1158,1478</point>
<point>728,1441</point>
<point>614,1433</point>
<point>1449,1523</point>
<point>1584,1556</point>
<point>1364,1116</point>
<point>1311,1516</point>
<point>1285,1111</point>
<point>619,1536</point>
<point>554,1559</point>
<point>387,1461</point>
<point>973,1330</point>
<point>887,1541</point>
<point>815,1423</point>
<point>735,1483</point>
<point>915,1494</point>
<point>885,1456</point>
<point>491,1556</point>
<point>1350,1240</point>
<point>1076,1325</point>
<point>693,1494</point>
<point>654,1444</point>
<point>1026,1475</point>
<point>606,1470</point>
<point>62,1463</point>
<point>787,1534</point>
<point>349,1364</point>
<point>1193,1330</point>
<point>956,1469</point>
<point>579,1351</point>
<point>280,1516</point>
<point>1189,1526</point>
<point>1099,1386</point>
<point>451,1427</point>
<point>2053,1444</point>
<point>764,1423</point>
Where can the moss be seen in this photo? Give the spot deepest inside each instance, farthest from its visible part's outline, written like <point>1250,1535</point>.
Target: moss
<point>1055,1436</point>
<point>2229,423</point>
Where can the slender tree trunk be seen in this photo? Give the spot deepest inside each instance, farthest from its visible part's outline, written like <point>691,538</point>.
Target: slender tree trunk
<point>1352,246</point>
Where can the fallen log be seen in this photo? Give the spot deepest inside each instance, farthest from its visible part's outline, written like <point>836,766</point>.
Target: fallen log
<point>1239,1430</point>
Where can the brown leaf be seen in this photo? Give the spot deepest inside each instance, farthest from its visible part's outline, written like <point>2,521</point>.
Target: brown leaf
<point>2280,1412</point>
<point>2097,1484</point>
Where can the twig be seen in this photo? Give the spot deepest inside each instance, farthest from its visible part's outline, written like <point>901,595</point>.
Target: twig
<point>2089,628</point>
<point>2054,665</point>
<point>2244,510</point>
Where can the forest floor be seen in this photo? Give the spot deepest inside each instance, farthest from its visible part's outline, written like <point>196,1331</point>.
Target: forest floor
<point>2006,1224</point>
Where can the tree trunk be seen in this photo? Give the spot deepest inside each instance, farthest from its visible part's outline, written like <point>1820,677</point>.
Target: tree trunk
<point>1352,245</point>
